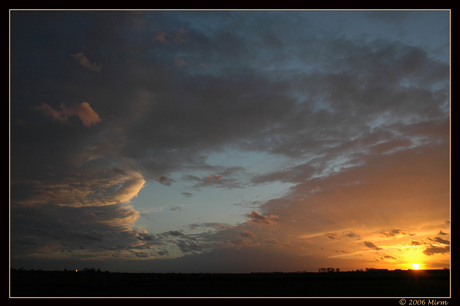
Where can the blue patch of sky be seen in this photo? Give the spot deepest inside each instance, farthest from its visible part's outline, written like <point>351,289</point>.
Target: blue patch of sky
<point>180,204</point>
<point>166,208</point>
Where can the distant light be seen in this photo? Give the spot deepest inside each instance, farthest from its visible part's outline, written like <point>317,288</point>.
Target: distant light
<point>416,266</point>
<point>76,270</point>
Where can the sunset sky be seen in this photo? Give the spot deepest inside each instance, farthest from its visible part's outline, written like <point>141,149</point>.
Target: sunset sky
<point>229,141</point>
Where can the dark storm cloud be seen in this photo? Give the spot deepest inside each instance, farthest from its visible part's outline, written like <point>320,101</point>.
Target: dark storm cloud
<point>50,229</point>
<point>248,107</point>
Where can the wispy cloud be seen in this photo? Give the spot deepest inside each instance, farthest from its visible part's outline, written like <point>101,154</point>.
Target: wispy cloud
<point>393,232</point>
<point>85,62</point>
<point>83,111</point>
<point>372,245</point>
<point>178,37</point>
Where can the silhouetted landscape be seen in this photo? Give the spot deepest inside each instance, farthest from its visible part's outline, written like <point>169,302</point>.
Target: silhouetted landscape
<point>96,283</point>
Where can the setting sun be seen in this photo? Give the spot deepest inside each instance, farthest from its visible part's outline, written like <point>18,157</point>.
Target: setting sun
<point>416,266</point>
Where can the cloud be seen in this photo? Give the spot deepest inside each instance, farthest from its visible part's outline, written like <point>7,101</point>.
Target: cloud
<point>442,241</point>
<point>85,213</point>
<point>145,236</point>
<point>57,115</point>
<point>166,181</point>
<point>90,189</point>
<point>388,257</point>
<point>249,204</point>
<point>257,218</point>
<point>248,234</point>
<point>65,232</point>
<point>391,145</point>
<point>389,17</point>
<point>393,232</point>
<point>177,37</point>
<point>83,111</point>
<point>293,174</point>
<point>85,62</point>
<point>352,235</point>
<point>160,37</point>
<point>433,250</point>
<point>180,62</point>
<point>186,244</point>
<point>190,246</point>
<point>173,233</point>
<point>209,225</point>
<point>213,178</point>
<point>371,245</point>
<point>337,236</point>
<point>332,236</point>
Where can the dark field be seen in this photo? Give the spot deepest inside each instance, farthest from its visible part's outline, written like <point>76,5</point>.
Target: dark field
<point>426,283</point>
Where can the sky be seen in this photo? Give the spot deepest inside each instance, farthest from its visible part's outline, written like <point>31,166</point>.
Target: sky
<point>229,141</point>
